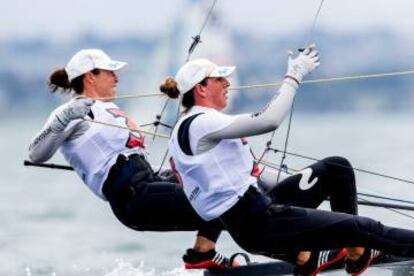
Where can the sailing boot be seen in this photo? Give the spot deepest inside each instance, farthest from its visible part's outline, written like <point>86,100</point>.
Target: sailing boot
<point>322,260</point>
<point>358,266</point>
<point>206,260</point>
<point>371,257</point>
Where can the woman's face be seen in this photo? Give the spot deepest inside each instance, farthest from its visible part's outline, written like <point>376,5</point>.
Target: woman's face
<point>106,83</point>
<point>217,92</point>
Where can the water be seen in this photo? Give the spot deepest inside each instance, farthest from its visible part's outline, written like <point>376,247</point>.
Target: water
<point>53,225</point>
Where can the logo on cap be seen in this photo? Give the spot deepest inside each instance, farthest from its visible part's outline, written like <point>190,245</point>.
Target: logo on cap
<point>113,65</point>
<point>223,71</point>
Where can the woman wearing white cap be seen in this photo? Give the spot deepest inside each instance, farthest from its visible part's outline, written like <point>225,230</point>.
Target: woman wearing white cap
<point>220,179</point>
<point>112,161</point>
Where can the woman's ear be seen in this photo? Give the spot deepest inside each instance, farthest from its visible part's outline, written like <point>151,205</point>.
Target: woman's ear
<point>89,77</point>
<point>200,91</point>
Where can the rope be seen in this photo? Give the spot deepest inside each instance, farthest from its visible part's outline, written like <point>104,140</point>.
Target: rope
<point>328,80</point>
<point>128,128</point>
<point>274,84</point>
<point>131,96</point>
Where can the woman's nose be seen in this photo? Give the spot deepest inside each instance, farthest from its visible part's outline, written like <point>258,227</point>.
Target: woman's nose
<point>226,83</point>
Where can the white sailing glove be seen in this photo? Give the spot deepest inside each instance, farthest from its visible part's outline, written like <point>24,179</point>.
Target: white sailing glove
<point>303,64</point>
<point>76,108</point>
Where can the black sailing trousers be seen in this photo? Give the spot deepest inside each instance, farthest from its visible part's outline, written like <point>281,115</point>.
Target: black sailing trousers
<point>274,225</point>
<point>144,201</point>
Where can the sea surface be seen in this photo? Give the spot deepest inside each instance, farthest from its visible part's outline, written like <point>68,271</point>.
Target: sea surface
<point>51,224</point>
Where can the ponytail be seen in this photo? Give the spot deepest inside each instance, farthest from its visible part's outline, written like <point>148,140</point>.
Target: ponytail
<point>169,87</point>
<point>60,79</point>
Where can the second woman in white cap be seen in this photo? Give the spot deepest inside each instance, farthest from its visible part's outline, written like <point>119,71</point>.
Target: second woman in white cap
<point>221,180</point>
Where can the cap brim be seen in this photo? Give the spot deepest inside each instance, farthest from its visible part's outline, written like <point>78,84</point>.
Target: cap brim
<point>222,71</point>
<point>113,65</point>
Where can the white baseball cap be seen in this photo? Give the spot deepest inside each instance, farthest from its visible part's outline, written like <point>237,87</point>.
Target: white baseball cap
<point>88,59</point>
<point>193,72</point>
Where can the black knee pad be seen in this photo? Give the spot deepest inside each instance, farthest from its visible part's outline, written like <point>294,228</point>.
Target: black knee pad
<point>337,161</point>
<point>339,166</point>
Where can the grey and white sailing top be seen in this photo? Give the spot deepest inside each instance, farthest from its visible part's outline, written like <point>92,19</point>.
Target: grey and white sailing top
<point>218,171</point>
<point>90,148</point>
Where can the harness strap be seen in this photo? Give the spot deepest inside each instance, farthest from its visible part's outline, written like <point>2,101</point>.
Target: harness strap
<point>184,135</point>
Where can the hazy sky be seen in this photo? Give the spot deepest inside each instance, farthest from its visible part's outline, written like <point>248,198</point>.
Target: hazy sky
<point>66,19</point>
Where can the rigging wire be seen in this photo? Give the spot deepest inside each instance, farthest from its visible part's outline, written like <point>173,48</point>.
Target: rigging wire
<point>69,168</point>
<point>390,207</point>
<point>386,198</point>
<point>386,206</point>
<point>261,159</point>
<point>158,117</point>
<point>354,168</point>
<point>196,41</point>
<point>276,167</point>
<point>315,20</point>
<point>283,166</point>
<point>197,38</point>
<point>291,171</point>
<point>171,130</point>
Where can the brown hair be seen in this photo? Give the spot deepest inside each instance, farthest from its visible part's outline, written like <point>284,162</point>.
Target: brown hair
<point>169,87</point>
<point>60,79</point>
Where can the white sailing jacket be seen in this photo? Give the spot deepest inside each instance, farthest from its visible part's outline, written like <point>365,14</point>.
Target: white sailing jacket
<point>95,152</point>
<point>214,180</point>
<point>90,148</point>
